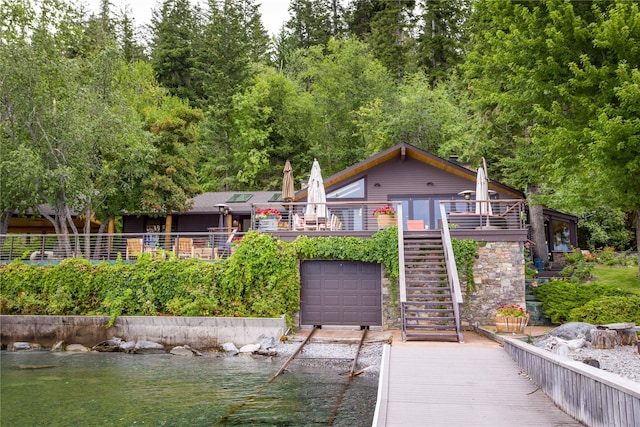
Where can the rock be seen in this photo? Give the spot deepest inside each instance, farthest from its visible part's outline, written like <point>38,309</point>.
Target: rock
<point>148,347</point>
<point>262,352</point>
<point>184,350</point>
<point>230,347</point>
<point>20,346</point>
<point>109,345</point>
<point>76,348</point>
<point>573,330</point>
<point>59,346</point>
<point>128,346</point>
<point>592,362</point>
<point>576,344</point>
<point>267,343</point>
<point>250,348</point>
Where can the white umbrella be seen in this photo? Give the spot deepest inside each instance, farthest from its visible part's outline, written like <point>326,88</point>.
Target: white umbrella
<point>482,193</point>
<point>316,197</point>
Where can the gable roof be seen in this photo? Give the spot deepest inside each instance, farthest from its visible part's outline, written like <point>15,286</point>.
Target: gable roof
<point>404,150</point>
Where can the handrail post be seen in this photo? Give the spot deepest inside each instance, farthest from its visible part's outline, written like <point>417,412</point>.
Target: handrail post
<point>449,256</point>
<point>401,278</point>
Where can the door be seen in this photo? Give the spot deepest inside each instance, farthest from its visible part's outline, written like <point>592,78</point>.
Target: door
<point>345,293</point>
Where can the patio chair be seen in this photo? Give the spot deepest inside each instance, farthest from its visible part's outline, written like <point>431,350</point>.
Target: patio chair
<point>415,224</point>
<point>298,223</point>
<point>183,248</point>
<point>134,248</point>
<point>335,224</point>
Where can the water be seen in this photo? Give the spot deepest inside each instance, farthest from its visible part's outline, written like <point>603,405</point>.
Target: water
<point>116,389</point>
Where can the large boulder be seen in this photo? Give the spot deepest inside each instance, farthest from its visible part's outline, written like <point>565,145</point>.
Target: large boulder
<point>250,348</point>
<point>148,347</point>
<point>76,348</point>
<point>573,330</point>
<point>184,350</point>
<point>230,348</point>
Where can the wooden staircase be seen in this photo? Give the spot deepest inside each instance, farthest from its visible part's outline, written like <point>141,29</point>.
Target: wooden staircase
<point>428,313</point>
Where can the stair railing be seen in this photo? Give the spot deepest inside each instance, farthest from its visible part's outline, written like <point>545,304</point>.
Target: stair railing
<point>401,276</point>
<point>452,270</point>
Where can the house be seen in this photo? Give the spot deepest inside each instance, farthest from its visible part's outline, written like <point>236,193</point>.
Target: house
<point>403,173</point>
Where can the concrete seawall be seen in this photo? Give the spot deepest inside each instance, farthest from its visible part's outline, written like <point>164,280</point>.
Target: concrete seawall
<point>197,332</point>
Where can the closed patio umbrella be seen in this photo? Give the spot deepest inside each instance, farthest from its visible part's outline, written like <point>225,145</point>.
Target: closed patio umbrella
<point>287,183</point>
<point>482,192</point>
<point>316,197</point>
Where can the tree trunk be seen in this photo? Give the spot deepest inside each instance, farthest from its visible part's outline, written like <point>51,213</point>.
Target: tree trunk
<point>536,220</point>
<point>603,338</point>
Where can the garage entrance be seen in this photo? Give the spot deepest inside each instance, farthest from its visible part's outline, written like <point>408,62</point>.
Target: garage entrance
<point>345,293</point>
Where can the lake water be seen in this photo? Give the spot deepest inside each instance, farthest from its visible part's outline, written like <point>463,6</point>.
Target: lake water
<point>116,389</point>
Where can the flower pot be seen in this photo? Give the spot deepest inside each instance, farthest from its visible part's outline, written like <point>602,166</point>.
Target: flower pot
<point>268,224</point>
<point>385,221</point>
<point>511,323</point>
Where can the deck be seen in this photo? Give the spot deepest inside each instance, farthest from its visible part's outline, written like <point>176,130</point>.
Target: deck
<point>452,384</point>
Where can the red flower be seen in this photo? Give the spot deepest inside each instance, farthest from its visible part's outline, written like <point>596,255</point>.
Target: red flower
<point>384,210</point>
<point>511,310</point>
<point>264,213</point>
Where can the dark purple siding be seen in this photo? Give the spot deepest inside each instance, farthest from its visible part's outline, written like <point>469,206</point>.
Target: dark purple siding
<point>195,223</point>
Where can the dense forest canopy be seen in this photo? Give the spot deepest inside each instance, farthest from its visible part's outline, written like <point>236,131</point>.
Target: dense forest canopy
<point>100,114</point>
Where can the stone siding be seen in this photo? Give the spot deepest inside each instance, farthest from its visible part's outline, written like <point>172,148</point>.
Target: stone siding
<point>499,277</point>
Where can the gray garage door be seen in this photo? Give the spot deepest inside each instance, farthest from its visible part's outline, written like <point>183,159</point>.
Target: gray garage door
<point>341,293</point>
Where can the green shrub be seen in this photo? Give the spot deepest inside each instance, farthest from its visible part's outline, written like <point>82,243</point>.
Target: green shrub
<point>560,297</point>
<point>578,269</point>
<point>609,309</point>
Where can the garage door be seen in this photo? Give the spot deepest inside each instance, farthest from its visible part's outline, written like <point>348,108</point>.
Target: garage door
<point>340,293</point>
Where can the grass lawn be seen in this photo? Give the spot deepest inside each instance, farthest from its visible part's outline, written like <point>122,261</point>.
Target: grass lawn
<point>622,277</point>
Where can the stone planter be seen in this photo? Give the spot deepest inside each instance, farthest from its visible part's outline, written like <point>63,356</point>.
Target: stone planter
<point>385,221</point>
<point>511,324</point>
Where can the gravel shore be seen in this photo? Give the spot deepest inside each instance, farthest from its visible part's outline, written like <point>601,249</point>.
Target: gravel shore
<point>338,356</point>
<point>623,360</point>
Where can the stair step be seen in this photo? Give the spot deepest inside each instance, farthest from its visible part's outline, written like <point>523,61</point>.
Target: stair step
<point>411,327</point>
<point>429,310</point>
<point>423,306</point>
<point>426,294</point>
<point>431,336</point>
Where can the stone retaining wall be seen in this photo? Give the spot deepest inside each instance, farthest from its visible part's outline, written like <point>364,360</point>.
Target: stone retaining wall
<point>197,332</point>
<point>499,276</point>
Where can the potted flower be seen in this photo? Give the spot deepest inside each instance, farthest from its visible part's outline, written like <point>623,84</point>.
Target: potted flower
<point>385,216</point>
<point>270,213</point>
<point>511,318</point>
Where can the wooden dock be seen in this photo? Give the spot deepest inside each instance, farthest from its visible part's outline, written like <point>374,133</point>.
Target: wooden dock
<point>452,384</point>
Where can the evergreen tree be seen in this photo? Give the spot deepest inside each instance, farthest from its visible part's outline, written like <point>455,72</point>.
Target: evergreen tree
<point>232,38</point>
<point>311,22</point>
<point>174,31</point>
<point>442,37</point>
<point>131,48</point>
<point>391,35</point>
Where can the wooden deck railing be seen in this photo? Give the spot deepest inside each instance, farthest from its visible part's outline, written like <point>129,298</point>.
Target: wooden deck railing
<point>590,395</point>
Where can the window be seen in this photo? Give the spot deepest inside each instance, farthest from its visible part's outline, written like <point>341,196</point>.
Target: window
<point>560,236</point>
<point>239,198</point>
<point>355,190</point>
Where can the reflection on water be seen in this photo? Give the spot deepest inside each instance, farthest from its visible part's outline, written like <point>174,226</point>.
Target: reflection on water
<point>116,389</point>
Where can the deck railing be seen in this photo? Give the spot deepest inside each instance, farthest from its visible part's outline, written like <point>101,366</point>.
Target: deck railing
<point>335,216</point>
<point>484,214</point>
<point>211,245</point>
<point>341,218</point>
